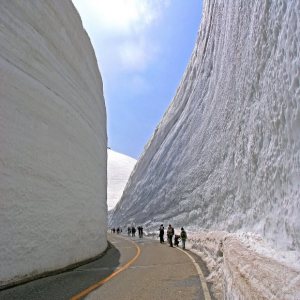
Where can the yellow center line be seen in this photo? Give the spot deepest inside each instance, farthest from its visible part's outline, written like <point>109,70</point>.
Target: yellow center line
<point>100,283</point>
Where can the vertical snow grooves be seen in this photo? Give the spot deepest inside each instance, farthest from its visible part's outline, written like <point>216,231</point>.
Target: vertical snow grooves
<point>224,161</point>
<point>229,135</point>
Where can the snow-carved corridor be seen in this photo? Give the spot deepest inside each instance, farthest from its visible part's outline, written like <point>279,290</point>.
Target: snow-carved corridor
<point>225,158</point>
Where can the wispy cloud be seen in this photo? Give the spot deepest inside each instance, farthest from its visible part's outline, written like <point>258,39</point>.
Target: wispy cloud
<point>118,30</point>
<point>137,54</point>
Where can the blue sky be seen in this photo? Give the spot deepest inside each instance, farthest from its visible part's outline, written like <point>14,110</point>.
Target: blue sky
<point>142,48</point>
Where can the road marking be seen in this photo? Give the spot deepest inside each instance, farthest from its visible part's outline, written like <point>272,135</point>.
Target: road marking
<point>201,276</point>
<point>100,283</point>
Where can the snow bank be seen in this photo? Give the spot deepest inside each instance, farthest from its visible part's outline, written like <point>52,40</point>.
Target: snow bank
<point>53,141</point>
<point>244,266</point>
<point>119,168</point>
<point>226,155</point>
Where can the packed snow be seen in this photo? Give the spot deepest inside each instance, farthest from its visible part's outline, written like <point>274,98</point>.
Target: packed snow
<point>224,160</point>
<point>119,168</point>
<point>53,151</point>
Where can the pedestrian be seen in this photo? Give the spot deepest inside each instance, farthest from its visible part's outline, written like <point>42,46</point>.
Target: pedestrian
<point>133,230</point>
<point>170,233</point>
<point>183,236</point>
<point>161,233</point>
<point>142,231</point>
<point>129,231</point>
<point>176,240</point>
<point>118,230</point>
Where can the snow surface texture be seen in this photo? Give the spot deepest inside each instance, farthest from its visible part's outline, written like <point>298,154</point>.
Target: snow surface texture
<point>53,209</point>
<point>226,154</point>
<point>119,168</point>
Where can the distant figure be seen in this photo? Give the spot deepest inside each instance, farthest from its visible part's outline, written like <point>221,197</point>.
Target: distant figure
<point>161,233</point>
<point>133,230</point>
<point>183,236</point>
<point>170,233</point>
<point>141,228</point>
<point>129,231</point>
<point>114,230</point>
<point>176,240</point>
<point>118,230</point>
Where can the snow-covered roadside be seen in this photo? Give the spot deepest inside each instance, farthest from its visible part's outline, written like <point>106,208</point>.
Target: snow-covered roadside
<point>244,266</point>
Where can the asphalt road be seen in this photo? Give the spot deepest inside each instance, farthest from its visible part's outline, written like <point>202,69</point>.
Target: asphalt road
<point>132,268</point>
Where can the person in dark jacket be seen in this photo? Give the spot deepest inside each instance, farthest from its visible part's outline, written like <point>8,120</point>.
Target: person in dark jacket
<point>161,233</point>
<point>176,240</point>
<point>183,237</point>
<point>133,230</point>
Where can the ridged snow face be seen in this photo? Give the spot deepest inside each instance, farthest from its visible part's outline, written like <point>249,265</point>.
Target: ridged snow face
<point>53,141</point>
<point>226,154</point>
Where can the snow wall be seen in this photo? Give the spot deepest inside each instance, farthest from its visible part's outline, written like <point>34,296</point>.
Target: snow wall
<point>53,154</point>
<point>119,168</point>
<point>226,153</point>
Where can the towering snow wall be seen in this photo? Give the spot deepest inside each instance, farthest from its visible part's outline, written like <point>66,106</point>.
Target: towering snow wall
<point>53,141</point>
<point>226,154</point>
<point>119,168</point>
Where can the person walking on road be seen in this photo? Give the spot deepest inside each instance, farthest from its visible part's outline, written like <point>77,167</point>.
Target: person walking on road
<point>141,236</point>
<point>140,229</point>
<point>133,230</point>
<point>170,233</point>
<point>161,233</point>
<point>183,237</point>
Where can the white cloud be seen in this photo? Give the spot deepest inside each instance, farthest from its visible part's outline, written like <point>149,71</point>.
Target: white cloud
<point>120,16</point>
<point>118,30</point>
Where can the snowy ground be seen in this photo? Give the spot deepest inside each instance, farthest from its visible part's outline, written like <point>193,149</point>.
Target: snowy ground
<point>244,266</point>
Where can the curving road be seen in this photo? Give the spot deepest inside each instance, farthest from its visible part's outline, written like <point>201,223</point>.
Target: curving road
<point>132,268</point>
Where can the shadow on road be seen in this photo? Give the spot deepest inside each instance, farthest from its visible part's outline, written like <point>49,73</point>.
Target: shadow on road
<point>65,285</point>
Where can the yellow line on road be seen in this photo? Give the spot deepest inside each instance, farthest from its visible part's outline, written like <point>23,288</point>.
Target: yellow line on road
<point>201,276</point>
<point>100,283</point>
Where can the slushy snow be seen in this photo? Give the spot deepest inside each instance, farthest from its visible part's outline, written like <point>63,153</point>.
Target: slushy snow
<point>53,155</point>
<point>224,160</point>
<point>119,168</point>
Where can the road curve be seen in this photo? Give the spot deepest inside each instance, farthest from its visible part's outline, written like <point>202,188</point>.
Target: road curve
<point>132,268</point>
<point>159,272</point>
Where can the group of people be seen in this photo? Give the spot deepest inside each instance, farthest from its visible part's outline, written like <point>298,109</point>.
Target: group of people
<point>170,234</point>
<point>114,230</point>
<point>132,230</point>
